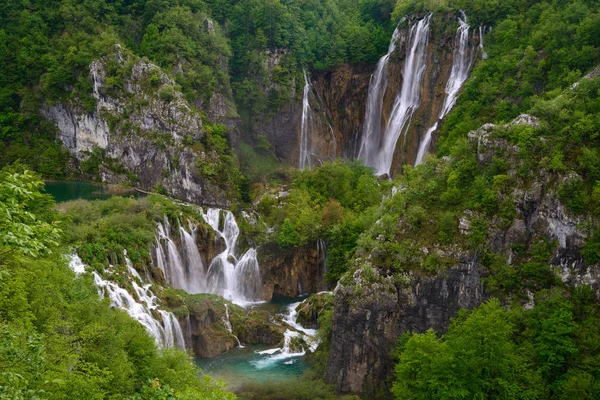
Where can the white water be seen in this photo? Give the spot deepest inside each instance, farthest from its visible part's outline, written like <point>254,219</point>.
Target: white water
<point>461,65</point>
<point>281,353</point>
<point>321,260</point>
<point>76,264</point>
<point>304,160</point>
<point>481,33</point>
<point>308,153</point>
<point>227,322</point>
<point>409,98</point>
<point>237,281</point>
<point>371,138</point>
<point>166,331</point>
<point>130,268</point>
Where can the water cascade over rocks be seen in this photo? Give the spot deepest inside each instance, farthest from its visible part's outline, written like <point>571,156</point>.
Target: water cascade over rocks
<point>461,65</point>
<point>238,281</point>
<point>297,341</point>
<point>160,324</point>
<point>371,139</point>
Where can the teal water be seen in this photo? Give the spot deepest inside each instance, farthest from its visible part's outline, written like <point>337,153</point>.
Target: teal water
<point>245,365</point>
<point>72,190</point>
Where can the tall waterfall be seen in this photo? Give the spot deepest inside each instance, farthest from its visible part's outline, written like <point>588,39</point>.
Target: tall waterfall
<point>461,64</point>
<point>371,138</point>
<point>409,98</point>
<point>311,121</point>
<point>304,160</point>
<point>166,331</point>
<point>238,281</point>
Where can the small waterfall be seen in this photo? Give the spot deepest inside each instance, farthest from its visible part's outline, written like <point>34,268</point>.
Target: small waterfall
<point>371,138</point>
<point>130,268</point>
<point>409,98</point>
<point>166,331</point>
<point>304,160</point>
<point>321,260</point>
<point>309,336</point>
<point>227,322</point>
<point>481,33</point>
<point>188,330</point>
<point>461,65</point>
<point>76,264</point>
<point>311,121</point>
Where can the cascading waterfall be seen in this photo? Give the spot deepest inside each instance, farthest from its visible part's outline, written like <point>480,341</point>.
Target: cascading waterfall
<point>238,281</point>
<point>409,98</point>
<point>309,336</point>
<point>166,331</point>
<point>304,160</point>
<point>371,138</point>
<point>461,65</point>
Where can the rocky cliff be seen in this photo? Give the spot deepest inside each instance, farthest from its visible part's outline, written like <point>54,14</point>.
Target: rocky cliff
<point>373,308</point>
<point>337,100</point>
<point>141,130</point>
<point>291,273</point>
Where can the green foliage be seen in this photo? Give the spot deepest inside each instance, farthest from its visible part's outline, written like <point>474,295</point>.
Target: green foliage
<point>57,338</point>
<point>27,223</point>
<point>476,359</point>
<point>102,229</point>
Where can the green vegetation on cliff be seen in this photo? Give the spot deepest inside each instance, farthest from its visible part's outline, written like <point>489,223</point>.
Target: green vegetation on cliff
<point>58,338</point>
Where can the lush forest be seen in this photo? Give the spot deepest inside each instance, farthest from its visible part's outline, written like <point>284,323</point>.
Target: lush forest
<point>536,336</point>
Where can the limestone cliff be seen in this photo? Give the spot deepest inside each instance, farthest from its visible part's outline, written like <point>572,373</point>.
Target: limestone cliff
<point>140,130</point>
<point>338,100</point>
<point>372,309</point>
<point>290,273</point>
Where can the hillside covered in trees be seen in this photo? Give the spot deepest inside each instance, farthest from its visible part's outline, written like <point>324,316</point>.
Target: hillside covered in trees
<point>467,267</point>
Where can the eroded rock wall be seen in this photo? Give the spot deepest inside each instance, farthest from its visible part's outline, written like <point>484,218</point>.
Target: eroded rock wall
<point>141,130</point>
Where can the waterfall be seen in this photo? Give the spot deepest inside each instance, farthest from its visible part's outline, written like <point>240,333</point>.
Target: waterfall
<point>166,331</point>
<point>76,264</point>
<point>227,322</point>
<point>409,98</point>
<point>238,281</point>
<point>130,268</point>
<point>195,277</point>
<point>461,65</point>
<point>371,138</point>
<point>309,336</point>
<point>321,260</point>
<point>304,160</point>
<point>307,125</point>
<point>481,33</point>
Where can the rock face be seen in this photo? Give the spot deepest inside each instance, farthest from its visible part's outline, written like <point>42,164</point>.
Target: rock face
<point>141,130</point>
<point>338,100</point>
<point>290,273</point>
<point>369,317</point>
<point>371,311</point>
<point>208,331</point>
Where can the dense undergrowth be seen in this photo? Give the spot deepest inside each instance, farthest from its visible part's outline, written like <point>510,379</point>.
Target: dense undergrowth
<point>59,339</point>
